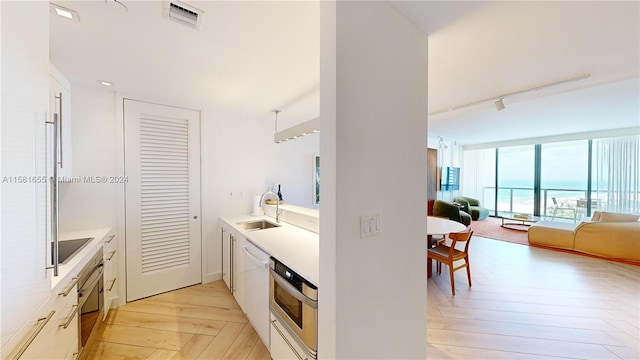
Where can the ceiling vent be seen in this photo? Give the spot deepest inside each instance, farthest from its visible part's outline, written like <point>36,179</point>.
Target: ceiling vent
<point>183,14</point>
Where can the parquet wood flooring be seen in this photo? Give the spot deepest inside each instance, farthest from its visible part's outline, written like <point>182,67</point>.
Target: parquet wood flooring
<point>531,303</point>
<point>525,303</point>
<point>198,322</point>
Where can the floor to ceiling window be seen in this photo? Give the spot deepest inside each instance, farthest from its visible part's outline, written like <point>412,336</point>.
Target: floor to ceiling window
<point>564,176</point>
<point>479,176</point>
<point>515,174</point>
<point>562,180</point>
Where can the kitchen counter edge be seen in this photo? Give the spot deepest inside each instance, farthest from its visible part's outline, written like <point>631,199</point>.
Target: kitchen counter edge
<point>295,247</point>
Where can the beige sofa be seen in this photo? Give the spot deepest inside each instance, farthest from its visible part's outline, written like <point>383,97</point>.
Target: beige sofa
<point>607,234</point>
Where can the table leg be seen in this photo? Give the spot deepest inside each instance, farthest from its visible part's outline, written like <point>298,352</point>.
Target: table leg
<point>429,266</point>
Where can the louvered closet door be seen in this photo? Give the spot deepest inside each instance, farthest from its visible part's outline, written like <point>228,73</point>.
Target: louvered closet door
<point>162,163</point>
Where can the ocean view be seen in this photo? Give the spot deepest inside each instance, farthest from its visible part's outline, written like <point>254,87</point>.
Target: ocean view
<point>517,196</point>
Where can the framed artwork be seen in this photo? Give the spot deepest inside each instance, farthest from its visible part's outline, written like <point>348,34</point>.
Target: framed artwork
<point>316,179</point>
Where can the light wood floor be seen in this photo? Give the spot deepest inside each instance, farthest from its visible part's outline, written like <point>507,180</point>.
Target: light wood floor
<point>525,303</point>
<point>529,303</point>
<point>198,322</point>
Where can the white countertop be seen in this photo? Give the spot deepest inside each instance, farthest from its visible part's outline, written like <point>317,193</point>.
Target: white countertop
<point>74,266</point>
<point>295,247</point>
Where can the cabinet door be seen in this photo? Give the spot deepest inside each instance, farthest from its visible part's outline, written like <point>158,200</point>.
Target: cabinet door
<point>253,282</point>
<point>65,330</point>
<point>110,277</point>
<point>24,99</point>
<point>59,336</point>
<point>60,105</point>
<point>225,239</point>
<point>236,287</point>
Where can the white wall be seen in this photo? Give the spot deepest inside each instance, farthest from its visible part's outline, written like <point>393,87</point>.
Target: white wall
<point>240,158</point>
<point>86,205</point>
<point>372,291</point>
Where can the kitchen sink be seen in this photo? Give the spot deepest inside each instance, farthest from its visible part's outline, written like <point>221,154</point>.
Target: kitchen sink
<point>257,225</point>
<point>68,248</point>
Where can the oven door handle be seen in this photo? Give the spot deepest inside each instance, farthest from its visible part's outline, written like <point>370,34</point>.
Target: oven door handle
<point>292,290</point>
<point>92,280</point>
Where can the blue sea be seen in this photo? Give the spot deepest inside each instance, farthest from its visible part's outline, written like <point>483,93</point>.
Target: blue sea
<point>517,196</point>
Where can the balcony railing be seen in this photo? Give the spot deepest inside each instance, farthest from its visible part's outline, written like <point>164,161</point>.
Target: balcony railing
<point>570,204</point>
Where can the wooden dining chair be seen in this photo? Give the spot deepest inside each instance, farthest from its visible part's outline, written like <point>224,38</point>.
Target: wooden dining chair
<point>444,254</point>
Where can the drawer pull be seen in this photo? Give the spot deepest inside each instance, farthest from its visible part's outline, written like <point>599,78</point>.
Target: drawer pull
<point>113,282</point>
<point>111,255</point>
<point>74,281</point>
<point>74,312</point>
<point>42,323</point>
<point>110,238</point>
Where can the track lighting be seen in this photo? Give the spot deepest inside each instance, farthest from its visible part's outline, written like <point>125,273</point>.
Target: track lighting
<point>499,104</point>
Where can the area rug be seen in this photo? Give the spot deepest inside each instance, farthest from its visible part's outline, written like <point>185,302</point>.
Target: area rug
<point>490,228</point>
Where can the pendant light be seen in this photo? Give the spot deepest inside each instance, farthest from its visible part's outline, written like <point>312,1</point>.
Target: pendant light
<point>308,127</point>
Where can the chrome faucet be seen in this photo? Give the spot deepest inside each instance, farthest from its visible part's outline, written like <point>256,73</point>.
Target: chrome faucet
<point>278,211</point>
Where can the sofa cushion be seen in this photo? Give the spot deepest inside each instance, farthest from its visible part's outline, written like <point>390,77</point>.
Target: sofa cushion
<point>604,216</point>
<point>478,213</point>
<point>472,207</point>
<point>612,239</point>
<point>550,233</point>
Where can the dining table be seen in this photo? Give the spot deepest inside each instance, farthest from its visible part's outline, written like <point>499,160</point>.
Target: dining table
<point>441,226</point>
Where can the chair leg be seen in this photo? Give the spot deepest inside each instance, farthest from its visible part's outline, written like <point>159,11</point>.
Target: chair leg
<point>468,271</point>
<point>453,284</point>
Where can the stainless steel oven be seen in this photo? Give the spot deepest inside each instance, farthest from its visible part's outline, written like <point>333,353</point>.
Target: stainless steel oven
<point>90,296</point>
<point>294,301</point>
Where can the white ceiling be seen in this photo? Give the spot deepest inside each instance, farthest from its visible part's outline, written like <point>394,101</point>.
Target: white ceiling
<point>248,57</point>
<point>479,50</point>
<point>254,56</point>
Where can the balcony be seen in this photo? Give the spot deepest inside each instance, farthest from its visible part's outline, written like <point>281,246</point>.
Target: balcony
<point>570,204</point>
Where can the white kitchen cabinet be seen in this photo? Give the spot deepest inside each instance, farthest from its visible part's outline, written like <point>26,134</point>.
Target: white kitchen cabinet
<point>56,328</point>
<point>60,108</point>
<point>25,285</point>
<point>253,286</point>
<point>230,248</point>
<point>225,239</point>
<point>110,276</point>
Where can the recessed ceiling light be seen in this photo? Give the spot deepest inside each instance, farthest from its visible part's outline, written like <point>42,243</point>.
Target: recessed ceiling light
<point>64,12</point>
<point>106,83</point>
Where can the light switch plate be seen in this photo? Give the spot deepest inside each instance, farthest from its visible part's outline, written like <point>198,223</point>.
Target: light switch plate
<point>370,225</point>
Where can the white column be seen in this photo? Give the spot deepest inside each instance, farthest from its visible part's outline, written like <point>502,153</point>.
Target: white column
<point>373,107</point>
